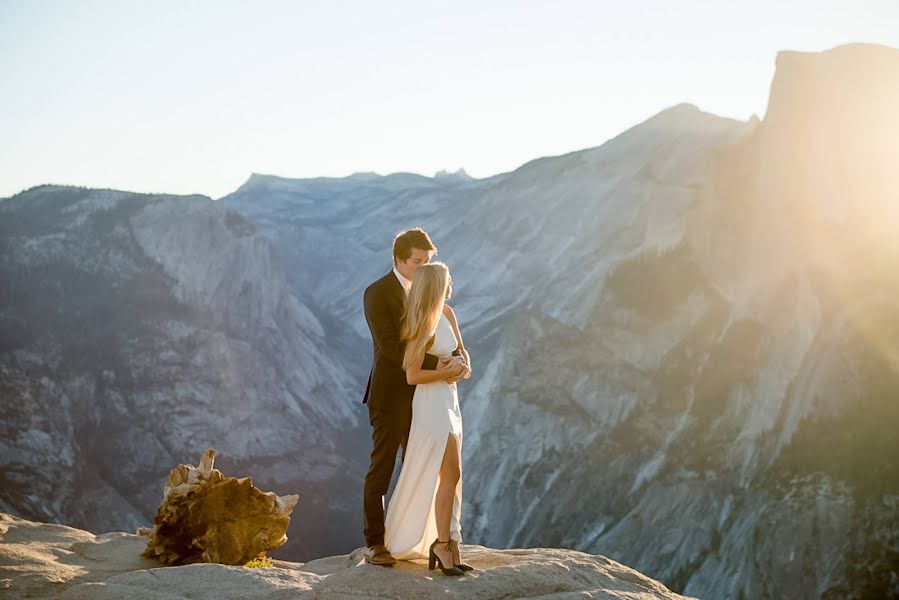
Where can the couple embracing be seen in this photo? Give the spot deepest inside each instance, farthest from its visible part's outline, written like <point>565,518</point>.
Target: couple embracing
<point>413,404</point>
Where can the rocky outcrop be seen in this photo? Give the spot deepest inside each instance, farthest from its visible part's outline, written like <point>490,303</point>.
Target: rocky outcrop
<point>39,560</point>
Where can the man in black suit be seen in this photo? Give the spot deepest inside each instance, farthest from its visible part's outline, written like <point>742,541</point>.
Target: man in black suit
<point>388,395</point>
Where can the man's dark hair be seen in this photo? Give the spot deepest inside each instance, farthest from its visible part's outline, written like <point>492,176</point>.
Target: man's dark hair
<point>404,241</point>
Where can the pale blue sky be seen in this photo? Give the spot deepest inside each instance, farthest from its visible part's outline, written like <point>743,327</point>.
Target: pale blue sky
<point>192,97</point>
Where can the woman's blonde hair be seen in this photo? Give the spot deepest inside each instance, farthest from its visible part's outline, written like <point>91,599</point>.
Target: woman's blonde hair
<point>431,287</point>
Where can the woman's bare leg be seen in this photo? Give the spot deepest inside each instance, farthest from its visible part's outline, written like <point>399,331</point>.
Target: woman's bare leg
<point>455,526</point>
<point>450,473</point>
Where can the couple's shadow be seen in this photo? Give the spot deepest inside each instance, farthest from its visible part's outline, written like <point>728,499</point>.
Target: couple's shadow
<point>416,568</point>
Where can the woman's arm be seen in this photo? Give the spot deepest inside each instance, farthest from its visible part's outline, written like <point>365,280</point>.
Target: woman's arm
<point>416,375</point>
<point>450,313</point>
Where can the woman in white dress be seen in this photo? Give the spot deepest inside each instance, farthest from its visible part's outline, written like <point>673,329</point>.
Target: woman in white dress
<point>427,501</point>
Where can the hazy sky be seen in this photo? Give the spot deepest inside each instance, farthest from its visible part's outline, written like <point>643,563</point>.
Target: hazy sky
<point>192,97</point>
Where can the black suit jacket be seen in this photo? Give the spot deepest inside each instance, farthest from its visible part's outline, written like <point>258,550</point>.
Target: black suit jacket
<point>387,389</point>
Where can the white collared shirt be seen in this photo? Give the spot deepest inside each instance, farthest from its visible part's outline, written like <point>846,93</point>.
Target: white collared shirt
<point>403,281</point>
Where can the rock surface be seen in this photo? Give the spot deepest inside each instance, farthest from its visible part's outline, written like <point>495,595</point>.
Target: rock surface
<point>39,560</point>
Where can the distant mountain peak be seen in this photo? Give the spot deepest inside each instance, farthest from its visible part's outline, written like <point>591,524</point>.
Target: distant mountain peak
<point>683,114</point>
<point>682,107</point>
<point>458,174</point>
<point>364,175</point>
<point>260,178</point>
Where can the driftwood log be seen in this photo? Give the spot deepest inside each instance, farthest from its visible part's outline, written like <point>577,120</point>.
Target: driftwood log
<point>207,517</point>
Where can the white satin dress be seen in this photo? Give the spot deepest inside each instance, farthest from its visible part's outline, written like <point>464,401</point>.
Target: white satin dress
<point>409,524</point>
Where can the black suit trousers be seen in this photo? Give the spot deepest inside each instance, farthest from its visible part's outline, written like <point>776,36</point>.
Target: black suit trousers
<point>390,431</point>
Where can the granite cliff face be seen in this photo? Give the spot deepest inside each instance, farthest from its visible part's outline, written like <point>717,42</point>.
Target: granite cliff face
<point>683,339</point>
<point>688,325</point>
<point>139,329</point>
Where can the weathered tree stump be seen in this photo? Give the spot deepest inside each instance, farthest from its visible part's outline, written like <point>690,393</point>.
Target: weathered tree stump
<point>207,517</point>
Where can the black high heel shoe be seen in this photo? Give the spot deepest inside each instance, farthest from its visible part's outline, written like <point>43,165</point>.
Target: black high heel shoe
<point>432,558</point>
<point>464,566</point>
